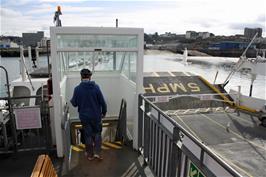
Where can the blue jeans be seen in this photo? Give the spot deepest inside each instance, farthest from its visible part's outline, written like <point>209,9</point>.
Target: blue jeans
<point>93,138</point>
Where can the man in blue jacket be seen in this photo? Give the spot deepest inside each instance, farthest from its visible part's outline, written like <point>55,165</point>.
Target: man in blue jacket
<point>92,108</point>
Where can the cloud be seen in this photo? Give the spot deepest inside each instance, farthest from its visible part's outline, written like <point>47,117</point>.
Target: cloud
<point>262,18</point>
<point>66,9</point>
<point>62,1</point>
<point>241,26</point>
<point>8,13</point>
<point>17,2</point>
<point>219,17</point>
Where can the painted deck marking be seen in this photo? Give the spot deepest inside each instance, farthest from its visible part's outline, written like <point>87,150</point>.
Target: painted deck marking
<point>156,74</point>
<point>171,74</point>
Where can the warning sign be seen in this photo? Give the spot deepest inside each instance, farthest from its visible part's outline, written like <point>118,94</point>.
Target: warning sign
<point>194,171</point>
<point>28,118</point>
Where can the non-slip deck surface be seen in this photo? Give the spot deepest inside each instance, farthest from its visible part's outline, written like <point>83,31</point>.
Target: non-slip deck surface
<point>239,140</point>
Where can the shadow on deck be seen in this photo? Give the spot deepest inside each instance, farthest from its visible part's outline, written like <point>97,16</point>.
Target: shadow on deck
<point>22,163</point>
<point>117,162</point>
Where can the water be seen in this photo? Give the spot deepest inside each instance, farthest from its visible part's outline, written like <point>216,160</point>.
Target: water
<point>12,66</point>
<point>166,61</point>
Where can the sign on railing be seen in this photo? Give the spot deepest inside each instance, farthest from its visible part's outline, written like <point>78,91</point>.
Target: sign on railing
<point>193,171</point>
<point>28,118</point>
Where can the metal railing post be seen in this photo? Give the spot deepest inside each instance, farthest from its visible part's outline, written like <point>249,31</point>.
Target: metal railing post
<point>140,122</point>
<point>174,153</point>
<point>146,131</point>
<point>10,108</point>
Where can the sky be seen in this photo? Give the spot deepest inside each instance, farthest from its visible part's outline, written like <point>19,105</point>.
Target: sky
<point>221,17</point>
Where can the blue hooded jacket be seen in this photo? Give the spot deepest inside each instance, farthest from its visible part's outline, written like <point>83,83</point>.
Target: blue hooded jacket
<point>89,100</point>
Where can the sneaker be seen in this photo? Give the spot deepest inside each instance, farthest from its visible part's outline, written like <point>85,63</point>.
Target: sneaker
<point>90,158</point>
<point>97,156</point>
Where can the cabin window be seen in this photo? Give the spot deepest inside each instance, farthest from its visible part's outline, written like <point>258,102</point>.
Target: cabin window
<point>96,41</point>
<point>129,65</point>
<point>124,62</point>
<point>19,91</point>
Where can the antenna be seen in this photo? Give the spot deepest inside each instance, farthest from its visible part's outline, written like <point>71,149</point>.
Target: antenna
<point>116,23</point>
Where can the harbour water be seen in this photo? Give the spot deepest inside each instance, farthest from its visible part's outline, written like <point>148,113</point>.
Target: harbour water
<point>155,61</point>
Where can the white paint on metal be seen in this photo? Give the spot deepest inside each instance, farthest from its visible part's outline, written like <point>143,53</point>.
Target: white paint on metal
<point>114,85</point>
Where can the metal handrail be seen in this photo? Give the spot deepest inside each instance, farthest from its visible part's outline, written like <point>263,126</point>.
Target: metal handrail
<point>23,97</point>
<point>193,138</point>
<point>10,108</point>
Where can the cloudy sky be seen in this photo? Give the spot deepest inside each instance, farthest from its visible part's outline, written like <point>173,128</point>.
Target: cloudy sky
<point>221,17</point>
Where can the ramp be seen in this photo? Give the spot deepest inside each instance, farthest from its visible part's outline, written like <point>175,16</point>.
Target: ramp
<point>187,88</point>
<point>238,139</point>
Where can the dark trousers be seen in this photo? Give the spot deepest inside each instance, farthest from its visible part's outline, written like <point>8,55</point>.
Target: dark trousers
<point>92,134</point>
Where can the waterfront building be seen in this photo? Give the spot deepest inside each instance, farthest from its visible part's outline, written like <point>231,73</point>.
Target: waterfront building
<point>250,32</point>
<point>191,35</point>
<point>43,42</point>
<point>31,39</point>
<point>204,35</point>
<point>195,35</point>
<point>7,43</point>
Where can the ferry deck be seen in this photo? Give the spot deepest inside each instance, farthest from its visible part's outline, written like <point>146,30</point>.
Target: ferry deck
<point>168,131</point>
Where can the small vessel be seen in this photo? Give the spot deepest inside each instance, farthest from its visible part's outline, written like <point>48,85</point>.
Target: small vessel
<point>185,57</point>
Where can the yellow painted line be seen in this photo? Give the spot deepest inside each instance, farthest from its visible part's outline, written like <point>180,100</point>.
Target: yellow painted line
<point>156,75</point>
<point>76,148</point>
<point>118,142</point>
<point>111,145</point>
<point>105,148</point>
<point>78,126</point>
<point>171,74</point>
<point>224,97</point>
<point>82,145</point>
<point>188,127</point>
<point>106,124</point>
<point>241,137</point>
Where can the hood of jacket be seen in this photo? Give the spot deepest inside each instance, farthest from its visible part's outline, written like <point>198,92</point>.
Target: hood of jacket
<point>87,84</point>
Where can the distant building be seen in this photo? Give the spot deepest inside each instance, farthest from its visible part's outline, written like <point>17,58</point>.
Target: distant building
<point>43,42</point>
<point>195,35</point>
<point>168,35</point>
<point>7,43</point>
<point>31,39</point>
<point>191,35</point>
<point>250,32</point>
<point>204,35</point>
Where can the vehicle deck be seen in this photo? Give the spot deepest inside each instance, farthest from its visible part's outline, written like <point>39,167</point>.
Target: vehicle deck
<point>239,140</point>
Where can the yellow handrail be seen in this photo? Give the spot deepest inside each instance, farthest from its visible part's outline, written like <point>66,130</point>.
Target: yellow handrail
<point>245,108</point>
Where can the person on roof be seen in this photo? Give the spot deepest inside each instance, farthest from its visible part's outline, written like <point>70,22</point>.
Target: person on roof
<point>92,108</point>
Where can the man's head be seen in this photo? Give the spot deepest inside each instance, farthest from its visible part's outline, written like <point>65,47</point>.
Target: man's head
<point>85,74</point>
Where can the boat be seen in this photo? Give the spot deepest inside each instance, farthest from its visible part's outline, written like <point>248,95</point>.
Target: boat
<point>185,57</point>
<point>157,124</point>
